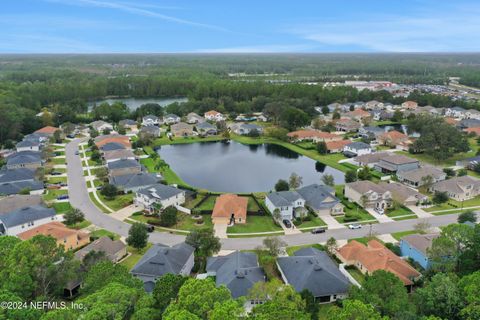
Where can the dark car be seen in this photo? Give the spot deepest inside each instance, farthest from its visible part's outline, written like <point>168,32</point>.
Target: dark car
<point>150,228</point>
<point>287,223</point>
<point>55,173</point>
<point>62,197</point>
<point>319,230</point>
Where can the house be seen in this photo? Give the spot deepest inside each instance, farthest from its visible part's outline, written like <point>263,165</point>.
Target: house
<point>102,140</point>
<point>347,125</point>
<point>415,247</point>
<point>47,131</point>
<point>152,131</point>
<point>160,260</point>
<point>128,124</point>
<point>159,195</point>
<point>134,181</point>
<point>122,167</point>
<point>379,115</point>
<point>358,115</point>
<point>25,159</point>
<point>206,128</point>
<point>292,204</point>
<point>238,271</point>
<point>314,135</point>
<point>404,195</point>
<point>151,120</point>
<point>476,131</point>
<point>213,115</point>
<point>392,138</point>
<point>371,159</point>
<point>410,105</point>
<point>101,126</point>
<point>111,146</point>
<point>14,181</point>
<point>229,209</point>
<point>370,132</point>
<point>455,112</point>
<point>71,239</point>
<point>418,177</point>
<point>14,202</point>
<point>396,163</point>
<point>28,145</point>
<point>115,155</point>
<point>469,163</point>
<point>114,250</point>
<point>313,270</point>
<point>459,188</point>
<point>193,118</point>
<point>245,128</point>
<point>375,256</point>
<point>25,218</point>
<point>355,149</point>
<point>337,146</point>
<point>181,129</point>
<point>472,114</point>
<point>373,104</point>
<point>368,194</point>
<point>171,118</point>
<point>468,123</point>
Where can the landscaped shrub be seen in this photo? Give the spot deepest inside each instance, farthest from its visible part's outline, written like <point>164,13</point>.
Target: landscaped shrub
<point>350,218</point>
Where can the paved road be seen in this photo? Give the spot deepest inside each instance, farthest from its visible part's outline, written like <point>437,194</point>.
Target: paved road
<point>79,198</point>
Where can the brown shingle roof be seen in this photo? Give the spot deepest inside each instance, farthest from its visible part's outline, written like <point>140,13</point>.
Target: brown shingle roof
<point>394,135</point>
<point>302,134</point>
<point>54,229</point>
<point>335,145</point>
<point>47,129</point>
<point>228,204</point>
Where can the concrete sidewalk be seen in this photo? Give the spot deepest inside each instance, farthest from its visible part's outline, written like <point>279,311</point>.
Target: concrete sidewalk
<point>420,212</point>
<point>382,218</point>
<point>331,222</point>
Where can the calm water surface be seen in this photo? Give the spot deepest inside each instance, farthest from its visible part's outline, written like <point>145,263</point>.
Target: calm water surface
<point>134,103</point>
<point>238,168</point>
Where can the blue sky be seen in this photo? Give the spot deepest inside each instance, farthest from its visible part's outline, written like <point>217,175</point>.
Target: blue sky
<point>150,26</point>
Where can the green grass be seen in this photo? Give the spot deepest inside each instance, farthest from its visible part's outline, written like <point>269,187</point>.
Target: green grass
<point>291,250</point>
<point>453,204</point>
<point>400,211</point>
<point>356,274</point>
<point>58,160</point>
<point>351,208</point>
<point>185,221</point>
<point>405,217</point>
<point>119,202</point>
<point>192,203</point>
<point>399,235</point>
<point>324,308</point>
<point>208,204</point>
<point>55,179</point>
<point>61,207</point>
<point>61,170</point>
<point>97,204</point>
<point>53,194</point>
<point>135,256</point>
<point>255,224</point>
<point>104,233</point>
<point>252,205</point>
<point>314,222</point>
<point>80,225</point>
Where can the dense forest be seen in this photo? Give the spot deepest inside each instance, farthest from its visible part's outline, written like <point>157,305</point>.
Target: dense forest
<point>65,83</point>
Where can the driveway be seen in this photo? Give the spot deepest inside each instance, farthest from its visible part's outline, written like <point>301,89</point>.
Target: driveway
<point>382,218</point>
<point>332,223</point>
<point>420,212</point>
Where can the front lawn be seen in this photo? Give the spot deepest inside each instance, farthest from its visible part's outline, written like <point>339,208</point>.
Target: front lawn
<point>255,224</point>
<point>55,180</point>
<point>314,221</point>
<point>400,211</point>
<point>453,204</point>
<point>61,207</point>
<point>104,233</point>
<point>399,235</point>
<point>356,274</point>
<point>291,250</point>
<point>119,202</point>
<point>185,221</point>
<point>58,160</point>
<point>135,256</point>
<point>53,194</point>
<point>207,204</point>
<point>80,225</point>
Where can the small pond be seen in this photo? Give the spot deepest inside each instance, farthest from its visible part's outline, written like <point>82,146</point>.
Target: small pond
<point>135,103</point>
<point>238,168</point>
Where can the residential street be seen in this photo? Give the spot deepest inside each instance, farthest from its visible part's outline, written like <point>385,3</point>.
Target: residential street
<point>79,198</point>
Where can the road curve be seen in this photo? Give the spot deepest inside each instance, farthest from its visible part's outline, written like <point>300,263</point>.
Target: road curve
<point>79,198</point>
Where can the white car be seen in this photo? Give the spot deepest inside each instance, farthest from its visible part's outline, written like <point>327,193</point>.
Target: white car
<point>379,210</point>
<point>354,226</point>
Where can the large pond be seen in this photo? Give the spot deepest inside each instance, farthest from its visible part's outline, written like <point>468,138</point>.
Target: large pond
<point>238,168</point>
<point>135,103</point>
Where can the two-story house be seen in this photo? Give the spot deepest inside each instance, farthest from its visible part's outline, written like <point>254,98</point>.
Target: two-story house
<point>159,195</point>
<point>368,194</point>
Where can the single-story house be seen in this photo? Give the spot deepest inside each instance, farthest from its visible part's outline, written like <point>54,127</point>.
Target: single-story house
<point>25,218</point>
<point>171,118</point>
<point>181,129</point>
<point>151,120</point>
<point>409,104</point>
<point>368,194</point>
<point>114,250</point>
<point>347,125</point>
<point>153,131</point>
<point>159,194</point>
<point>17,201</point>
<point>115,155</point>
<point>396,163</point>
<point>28,145</point>
<point>416,177</point>
<point>459,188</point>
<point>358,114</point>
<point>111,146</point>
<point>47,131</point>
<point>370,160</point>
<point>193,118</point>
<point>13,181</point>
<point>134,181</point>
<point>206,128</point>
<point>392,138</point>
<point>122,167</point>
<point>371,132</point>
<point>129,124</point>
<point>375,256</point>
<point>100,141</point>
<point>314,135</point>
<point>355,149</point>
<point>337,146</point>
<point>313,270</point>
<point>415,246</point>
<point>245,128</point>
<point>229,209</point>
<point>468,123</point>
<point>71,239</point>
<point>213,115</point>
<point>238,271</point>
<point>25,159</point>
<point>101,125</point>
<point>160,260</point>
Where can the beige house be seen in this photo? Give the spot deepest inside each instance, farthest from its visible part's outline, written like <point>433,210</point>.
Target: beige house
<point>368,194</point>
<point>459,188</point>
<point>181,129</point>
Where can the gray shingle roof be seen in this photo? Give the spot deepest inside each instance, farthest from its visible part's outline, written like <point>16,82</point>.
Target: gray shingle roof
<point>283,198</point>
<point>318,196</point>
<point>136,180</point>
<point>104,244</point>
<point>111,146</point>
<point>313,270</point>
<point>421,242</point>
<point>238,271</point>
<point>23,157</point>
<point>123,163</point>
<point>15,175</point>
<point>25,215</point>
<point>15,187</point>
<point>150,117</point>
<point>15,202</point>
<point>127,122</point>
<point>359,145</point>
<point>205,126</point>
<point>27,143</point>
<point>160,191</point>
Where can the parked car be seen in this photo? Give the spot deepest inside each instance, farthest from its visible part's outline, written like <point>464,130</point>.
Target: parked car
<point>63,184</point>
<point>319,230</point>
<point>71,136</point>
<point>379,210</point>
<point>150,228</point>
<point>354,226</point>
<point>76,153</point>
<point>55,173</point>
<point>62,197</point>
<point>287,223</point>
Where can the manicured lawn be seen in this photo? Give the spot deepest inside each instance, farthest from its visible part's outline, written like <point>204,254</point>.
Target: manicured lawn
<point>53,194</point>
<point>400,211</point>
<point>135,256</point>
<point>291,250</point>
<point>180,140</point>
<point>168,174</point>
<point>59,153</point>
<point>413,216</point>
<point>314,222</point>
<point>104,233</point>
<point>185,221</point>
<point>208,204</point>
<point>356,274</point>
<point>399,235</point>
<point>255,224</point>
<point>192,203</point>
<point>55,179</point>
<point>119,202</point>
<point>61,170</point>
<point>58,160</point>
<point>61,207</point>
<point>453,204</point>
<point>80,225</point>
<point>97,204</point>
<point>351,208</point>
<point>252,205</point>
